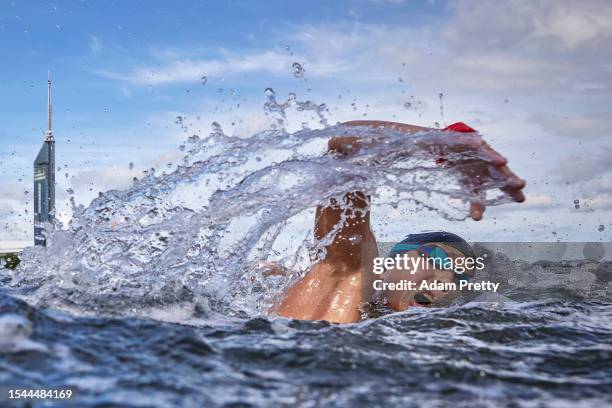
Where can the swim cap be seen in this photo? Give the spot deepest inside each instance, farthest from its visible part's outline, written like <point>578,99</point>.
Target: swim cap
<point>438,237</point>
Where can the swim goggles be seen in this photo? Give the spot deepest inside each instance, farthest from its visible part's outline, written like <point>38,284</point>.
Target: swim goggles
<point>429,251</point>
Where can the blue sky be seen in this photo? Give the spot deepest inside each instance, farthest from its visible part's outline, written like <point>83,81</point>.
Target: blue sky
<point>79,39</point>
<point>533,77</point>
<point>89,45</point>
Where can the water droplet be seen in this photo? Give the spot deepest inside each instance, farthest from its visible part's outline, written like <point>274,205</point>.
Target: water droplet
<point>577,204</point>
<point>216,127</point>
<point>407,105</point>
<point>601,228</point>
<point>400,79</point>
<point>131,166</point>
<point>26,192</point>
<point>270,92</point>
<point>355,239</point>
<point>179,120</point>
<point>203,80</point>
<point>298,70</point>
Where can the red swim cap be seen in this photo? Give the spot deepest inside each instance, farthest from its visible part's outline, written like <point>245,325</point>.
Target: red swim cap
<point>458,127</point>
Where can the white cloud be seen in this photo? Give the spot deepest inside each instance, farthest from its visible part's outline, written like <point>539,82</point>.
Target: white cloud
<point>12,191</point>
<point>464,58</point>
<point>589,126</point>
<point>538,202</point>
<point>487,46</point>
<point>534,45</point>
<point>599,202</point>
<point>192,70</point>
<point>601,184</point>
<point>103,179</point>
<point>5,208</point>
<point>583,168</point>
<point>531,26</point>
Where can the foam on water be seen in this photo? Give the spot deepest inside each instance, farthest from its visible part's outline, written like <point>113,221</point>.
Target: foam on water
<point>15,331</point>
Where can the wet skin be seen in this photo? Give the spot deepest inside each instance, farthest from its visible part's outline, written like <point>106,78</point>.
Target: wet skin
<point>337,285</point>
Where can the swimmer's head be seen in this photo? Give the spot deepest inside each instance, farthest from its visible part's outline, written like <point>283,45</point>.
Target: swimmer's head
<point>433,262</point>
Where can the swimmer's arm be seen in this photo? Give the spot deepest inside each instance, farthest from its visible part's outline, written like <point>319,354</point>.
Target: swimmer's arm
<point>485,164</point>
<point>343,146</point>
<point>336,285</point>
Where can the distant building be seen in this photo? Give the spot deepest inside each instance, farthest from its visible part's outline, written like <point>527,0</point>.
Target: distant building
<point>44,180</point>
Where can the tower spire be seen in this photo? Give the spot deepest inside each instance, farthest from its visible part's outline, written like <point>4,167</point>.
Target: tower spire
<point>49,133</point>
<point>44,180</point>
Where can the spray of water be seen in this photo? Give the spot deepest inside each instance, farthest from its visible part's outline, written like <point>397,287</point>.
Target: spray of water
<point>198,234</point>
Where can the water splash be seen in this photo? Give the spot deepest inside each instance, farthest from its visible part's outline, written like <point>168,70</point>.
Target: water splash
<point>441,98</point>
<point>414,105</point>
<point>298,70</point>
<point>279,110</point>
<point>15,331</point>
<point>198,234</point>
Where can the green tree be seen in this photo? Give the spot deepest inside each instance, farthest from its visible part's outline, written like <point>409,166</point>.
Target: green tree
<point>10,261</point>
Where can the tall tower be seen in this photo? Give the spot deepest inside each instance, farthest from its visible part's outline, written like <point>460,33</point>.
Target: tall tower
<point>44,179</point>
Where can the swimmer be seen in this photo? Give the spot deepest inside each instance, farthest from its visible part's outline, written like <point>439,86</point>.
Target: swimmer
<point>339,288</point>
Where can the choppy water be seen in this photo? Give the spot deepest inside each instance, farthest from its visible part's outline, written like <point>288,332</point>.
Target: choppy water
<point>544,353</point>
<point>153,296</point>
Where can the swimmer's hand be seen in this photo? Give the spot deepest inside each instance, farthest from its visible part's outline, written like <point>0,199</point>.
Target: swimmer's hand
<point>479,165</point>
<point>483,166</point>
